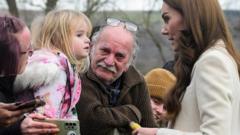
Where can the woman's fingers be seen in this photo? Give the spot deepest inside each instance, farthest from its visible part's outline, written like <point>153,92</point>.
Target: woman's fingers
<point>8,121</point>
<point>145,131</point>
<point>37,124</point>
<point>13,120</point>
<point>15,114</point>
<point>30,126</point>
<point>8,106</point>
<point>37,116</point>
<point>9,117</point>
<point>42,131</point>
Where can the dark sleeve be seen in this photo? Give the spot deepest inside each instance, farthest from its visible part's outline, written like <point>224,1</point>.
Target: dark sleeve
<point>97,117</point>
<point>93,114</point>
<point>11,130</point>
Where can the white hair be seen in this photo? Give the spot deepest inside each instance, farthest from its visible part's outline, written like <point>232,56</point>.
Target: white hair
<point>95,39</point>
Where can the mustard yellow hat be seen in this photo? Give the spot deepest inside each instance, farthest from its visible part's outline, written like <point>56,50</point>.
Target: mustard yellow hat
<point>159,82</point>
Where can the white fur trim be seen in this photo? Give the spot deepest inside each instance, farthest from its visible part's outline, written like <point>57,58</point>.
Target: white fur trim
<point>35,75</point>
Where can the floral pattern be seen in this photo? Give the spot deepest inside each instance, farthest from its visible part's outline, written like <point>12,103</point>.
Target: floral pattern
<point>62,94</point>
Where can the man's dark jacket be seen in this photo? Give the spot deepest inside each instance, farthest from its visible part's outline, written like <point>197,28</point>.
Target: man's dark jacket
<point>98,117</point>
<point>6,96</point>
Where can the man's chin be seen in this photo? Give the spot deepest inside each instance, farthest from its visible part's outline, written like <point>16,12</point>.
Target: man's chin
<point>107,81</point>
<point>105,78</point>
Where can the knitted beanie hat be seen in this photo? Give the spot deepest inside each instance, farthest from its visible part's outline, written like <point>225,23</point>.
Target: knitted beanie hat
<point>159,82</point>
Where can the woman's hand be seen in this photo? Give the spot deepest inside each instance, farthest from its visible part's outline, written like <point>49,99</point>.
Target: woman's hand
<point>145,131</point>
<point>9,115</point>
<point>33,125</point>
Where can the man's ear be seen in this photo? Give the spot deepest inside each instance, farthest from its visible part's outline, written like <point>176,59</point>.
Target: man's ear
<point>92,46</point>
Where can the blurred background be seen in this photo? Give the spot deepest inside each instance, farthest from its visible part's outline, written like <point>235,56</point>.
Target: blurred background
<point>154,48</point>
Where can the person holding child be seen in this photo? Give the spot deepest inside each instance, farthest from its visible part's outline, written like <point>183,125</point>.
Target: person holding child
<point>52,71</point>
<point>15,49</point>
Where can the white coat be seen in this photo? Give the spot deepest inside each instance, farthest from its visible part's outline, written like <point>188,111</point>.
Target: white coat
<point>211,104</point>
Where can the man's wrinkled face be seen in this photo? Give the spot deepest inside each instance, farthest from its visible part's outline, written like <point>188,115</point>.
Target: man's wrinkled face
<point>111,54</point>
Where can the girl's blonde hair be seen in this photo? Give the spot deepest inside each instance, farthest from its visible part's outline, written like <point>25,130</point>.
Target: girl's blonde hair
<point>35,28</point>
<point>57,32</point>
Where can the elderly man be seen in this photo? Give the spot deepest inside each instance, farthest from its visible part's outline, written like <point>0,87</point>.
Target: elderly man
<point>114,92</point>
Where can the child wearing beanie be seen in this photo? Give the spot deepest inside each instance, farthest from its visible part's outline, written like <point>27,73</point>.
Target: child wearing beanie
<point>159,82</point>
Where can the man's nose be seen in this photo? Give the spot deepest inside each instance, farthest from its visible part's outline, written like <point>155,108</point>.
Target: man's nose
<point>109,60</point>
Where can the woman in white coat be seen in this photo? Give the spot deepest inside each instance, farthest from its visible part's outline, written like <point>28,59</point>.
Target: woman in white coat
<point>206,97</point>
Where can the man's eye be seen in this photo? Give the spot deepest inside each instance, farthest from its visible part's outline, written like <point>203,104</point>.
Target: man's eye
<point>120,56</point>
<point>104,51</point>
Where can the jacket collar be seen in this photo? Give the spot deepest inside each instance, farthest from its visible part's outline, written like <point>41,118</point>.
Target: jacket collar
<point>132,77</point>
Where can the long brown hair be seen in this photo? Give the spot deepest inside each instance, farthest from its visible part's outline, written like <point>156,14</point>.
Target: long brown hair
<point>205,24</point>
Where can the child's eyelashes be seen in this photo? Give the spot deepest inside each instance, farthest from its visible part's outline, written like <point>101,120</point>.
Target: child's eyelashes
<point>79,34</point>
